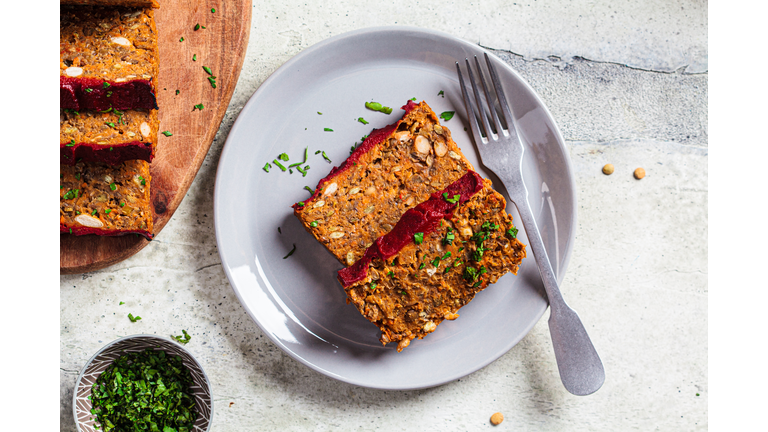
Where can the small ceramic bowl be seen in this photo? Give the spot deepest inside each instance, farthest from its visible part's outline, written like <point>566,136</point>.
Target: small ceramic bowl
<point>201,387</point>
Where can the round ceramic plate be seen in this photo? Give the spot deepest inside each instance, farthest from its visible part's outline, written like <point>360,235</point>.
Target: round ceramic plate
<point>314,101</point>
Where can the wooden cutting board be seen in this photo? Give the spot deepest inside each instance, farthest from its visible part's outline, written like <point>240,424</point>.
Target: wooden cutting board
<point>221,46</point>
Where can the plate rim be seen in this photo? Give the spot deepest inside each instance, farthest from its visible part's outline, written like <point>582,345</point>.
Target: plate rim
<point>284,68</point>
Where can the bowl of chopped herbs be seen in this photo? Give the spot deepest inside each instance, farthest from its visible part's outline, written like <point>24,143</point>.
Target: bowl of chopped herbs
<point>143,383</point>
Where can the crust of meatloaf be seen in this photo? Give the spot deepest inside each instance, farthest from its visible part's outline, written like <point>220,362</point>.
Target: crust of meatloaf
<point>111,137</point>
<point>408,294</point>
<point>129,3</point>
<point>105,200</point>
<point>394,169</point>
<point>108,58</point>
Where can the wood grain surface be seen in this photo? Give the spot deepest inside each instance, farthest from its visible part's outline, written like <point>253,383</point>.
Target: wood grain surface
<point>221,46</point>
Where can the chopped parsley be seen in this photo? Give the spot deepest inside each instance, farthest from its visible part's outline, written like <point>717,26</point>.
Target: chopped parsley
<point>182,339</point>
<point>327,129</point>
<point>325,156</point>
<point>418,238</point>
<point>449,237</point>
<point>362,120</point>
<point>447,115</point>
<point>375,106</point>
<point>207,70</point>
<point>279,165</point>
<point>122,303</point>
<point>197,27</point>
<point>421,266</point>
<point>177,92</point>
<point>313,224</point>
<point>147,390</point>
<point>71,143</point>
<point>181,40</point>
<point>512,232</point>
<point>133,318</point>
<point>284,157</point>
<point>441,93</point>
<point>267,166</point>
<point>167,133</point>
<point>453,200</point>
<point>312,192</point>
<point>199,107</point>
<point>291,252</point>
<point>374,285</point>
<point>107,211</point>
<point>110,124</point>
<point>112,186</point>
<point>213,10</point>
<point>194,57</point>
<point>212,81</point>
<point>105,85</point>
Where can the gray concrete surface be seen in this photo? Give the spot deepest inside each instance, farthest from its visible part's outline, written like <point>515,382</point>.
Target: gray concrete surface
<point>627,84</point>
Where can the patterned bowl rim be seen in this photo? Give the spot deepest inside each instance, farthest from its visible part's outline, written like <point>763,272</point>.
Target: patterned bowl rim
<point>138,336</point>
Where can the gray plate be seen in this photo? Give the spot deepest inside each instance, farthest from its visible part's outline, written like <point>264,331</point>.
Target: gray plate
<point>297,301</point>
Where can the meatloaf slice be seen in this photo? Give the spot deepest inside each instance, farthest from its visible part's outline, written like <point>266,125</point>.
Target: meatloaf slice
<point>106,200</point>
<point>130,3</point>
<point>439,255</point>
<point>108,58</point>
<point>111,137</point>
<point>394,169</point>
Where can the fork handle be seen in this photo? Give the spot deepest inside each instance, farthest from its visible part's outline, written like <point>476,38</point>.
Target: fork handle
<point>581,369</point>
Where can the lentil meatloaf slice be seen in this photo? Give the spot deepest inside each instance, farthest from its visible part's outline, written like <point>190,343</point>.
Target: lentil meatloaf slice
<point>439,255</point>
<point>394,169</point>
<point>110,137</point>
<point>131,3</point>
<point>108,58</point>
<point>105,200</point>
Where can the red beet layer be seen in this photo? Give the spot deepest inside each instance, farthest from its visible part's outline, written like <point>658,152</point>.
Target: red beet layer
<point>375,137</point>
<point>423,218</point>
<point>115,154</point>
<point>90,93</point>
<point>78,231</point>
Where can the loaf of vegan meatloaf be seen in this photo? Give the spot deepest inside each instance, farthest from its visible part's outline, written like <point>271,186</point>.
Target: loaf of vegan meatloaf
<point>130,3</point>
<point>111,137</point>
<point>439,255</point>
<point>105,200</point>
<point>108,58</point>
<point>394,169</point>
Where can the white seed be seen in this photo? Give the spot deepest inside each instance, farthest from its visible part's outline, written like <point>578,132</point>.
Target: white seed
<point>421,144</point>
<point>73,71</point>
<point>430,326</point>
<point>450,316</point>
<point>371,190</point>
<point>350,258</point>
<point>430,160</point>
<point>369,209</point>
<point>402,136</point>
<point>354,190</point>
<point>454,155</point>
<point>331,188</point>
<point>409,201</point>
<point>121,41</point>
<point>130,76</point>
<point>145,76</point>
<point>145,129</point>
<point>441,149</point>
<point>466,231</point>
<point>439,129</point>
<point>431,271</point>
<point>107,178</point>
<point>396,168</point>
<point>121,79</point>
<point>336,234</point>
<point>130,134</point>
<point>319,204</point>
<point>89,221</point>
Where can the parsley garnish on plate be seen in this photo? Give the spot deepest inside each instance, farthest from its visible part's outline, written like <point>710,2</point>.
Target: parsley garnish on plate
<point>447,115</point>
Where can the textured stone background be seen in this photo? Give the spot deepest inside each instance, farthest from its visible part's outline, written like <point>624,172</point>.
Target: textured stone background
<point>627,84</point>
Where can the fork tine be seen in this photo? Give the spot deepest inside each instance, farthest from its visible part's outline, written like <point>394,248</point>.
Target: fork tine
<point>480,107</point>
<point>473,125</point>
<point>489,99</point>
<point>500,94</point>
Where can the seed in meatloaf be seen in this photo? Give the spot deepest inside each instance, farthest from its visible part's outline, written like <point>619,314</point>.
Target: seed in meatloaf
<point>394,169</point>
<point>111,137</point>
<point>105,200</point>
<point>440,254</point>
<point>108,58</point>
<point>129,3</point>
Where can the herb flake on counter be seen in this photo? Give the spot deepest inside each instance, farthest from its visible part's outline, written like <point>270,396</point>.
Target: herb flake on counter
<point>447,115</point>
<point>213,10</point>
<point>362,120</point>
<point>326,157</point>
<point>319,113</point>
<point>279,165</point>
<point>133,318</point>
<point>283,157</point>
<point>441,93</point>
<point>167,133</point>
<point>291,252</point>
<point>309,189</point>
<point>197,27</point>
<point>181,40</point>
<point>327,129</point>
<point>199,107</point>
<point>121,303</point>
<point>194,57</point>
<point>183,339</point>
<point>267,166</point>
<point>207,70</point>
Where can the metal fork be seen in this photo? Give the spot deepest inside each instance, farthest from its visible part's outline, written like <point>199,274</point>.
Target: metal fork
<point>501,151</point>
